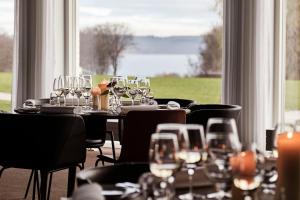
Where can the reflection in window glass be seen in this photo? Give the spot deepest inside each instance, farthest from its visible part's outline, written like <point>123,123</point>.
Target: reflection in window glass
<point>6,52</point>
<point>176,43</point>
<point>292,98</point>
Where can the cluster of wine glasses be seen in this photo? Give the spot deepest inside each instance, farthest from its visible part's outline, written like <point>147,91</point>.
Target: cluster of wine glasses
<point>219,152</point>
<point>131,87</point>
<point>74,86</point>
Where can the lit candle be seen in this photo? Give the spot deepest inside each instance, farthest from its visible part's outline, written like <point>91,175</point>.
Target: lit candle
<point>247,164</point>
<point>288,166</point>
<point>104,98</point>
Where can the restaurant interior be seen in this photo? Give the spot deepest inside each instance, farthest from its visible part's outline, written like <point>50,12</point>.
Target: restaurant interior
<point>72,136</point>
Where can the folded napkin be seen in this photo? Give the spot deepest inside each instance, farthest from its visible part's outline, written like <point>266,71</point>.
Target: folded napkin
<point>173,105</point>
<point>126,109</point>
<point>35,102</point>
<point>70,101</point>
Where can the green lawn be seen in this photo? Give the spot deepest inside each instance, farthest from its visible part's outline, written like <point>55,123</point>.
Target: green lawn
<point>5,82</point>
<point>203,90</point>
<point>5,106</point>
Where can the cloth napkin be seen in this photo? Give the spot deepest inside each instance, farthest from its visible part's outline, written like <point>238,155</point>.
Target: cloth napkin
<point>126,109</point>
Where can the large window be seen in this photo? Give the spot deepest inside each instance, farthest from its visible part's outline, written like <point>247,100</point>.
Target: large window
<point>6,52</point>
<point>176,43</point>
<point>292,98</point>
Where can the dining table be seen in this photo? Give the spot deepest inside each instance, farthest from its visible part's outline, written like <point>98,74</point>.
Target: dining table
<point>111,177</point>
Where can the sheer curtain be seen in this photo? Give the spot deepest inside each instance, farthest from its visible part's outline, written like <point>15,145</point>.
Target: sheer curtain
<point>248,65</point>
<point>40,47</point>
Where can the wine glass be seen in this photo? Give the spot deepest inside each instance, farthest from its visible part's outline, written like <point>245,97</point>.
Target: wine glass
<point>163,159</point>
<point>144,88</point>
<point>223,143</point>
<point>73,83</point>
<point>57,88</point>
<point>87,86</point>
<point>180,131</point>
<point>119,88</point>
<point>132,89</point>
<point>248,169</point>
<point>195,154</point>
<point>78,84</point>
<point>65,87</point>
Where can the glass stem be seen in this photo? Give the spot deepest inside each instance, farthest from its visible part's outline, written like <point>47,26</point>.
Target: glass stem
<point>191,172</point>
<point>65,101</point>
<point>78,101</point>
<point>132,101</point>
<point>86,103</point>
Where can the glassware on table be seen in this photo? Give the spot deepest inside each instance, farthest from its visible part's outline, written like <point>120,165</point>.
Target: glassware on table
<point>194,155</point>
<point>118,89</point>
<point>57,88</point>
<point>87,86</point>
<point>65,87</point>
<point>248,169</point>
<point>144,88</point>
<point>223,143</point>
<point>163,160</point>
<point>73,86</point>
<point>132,89</point>
<point>78,84</point>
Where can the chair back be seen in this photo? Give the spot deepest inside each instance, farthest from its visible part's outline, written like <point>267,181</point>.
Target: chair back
<point>138,127</point>
<point>95,130</point>
<point>184,103</point>
<point>46,142</point>
<point>200,113</point>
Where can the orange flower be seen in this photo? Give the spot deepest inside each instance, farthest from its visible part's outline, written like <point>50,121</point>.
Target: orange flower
<point>103,85</point>
<point>96,91</point>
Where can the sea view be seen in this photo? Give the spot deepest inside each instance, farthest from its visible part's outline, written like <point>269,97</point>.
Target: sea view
<point>155,64</point>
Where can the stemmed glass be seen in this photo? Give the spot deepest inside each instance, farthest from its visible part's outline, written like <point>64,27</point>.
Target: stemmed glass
<point>144,88</point>
<point>87,86</point>
<point>163,158</point>
<point>72,87</point>
<point>248,169</point>
<point>132,89</point>
<point>223,143</point>
<point>78,84</point>
<point>57,88</point>
<point>65,87</point>
<point>118,89</point>
<point>194,155</point>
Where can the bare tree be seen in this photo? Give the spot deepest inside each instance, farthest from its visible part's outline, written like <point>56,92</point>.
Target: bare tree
<point>103,45</point>
<point>116,38</point>
<point>6,52</point>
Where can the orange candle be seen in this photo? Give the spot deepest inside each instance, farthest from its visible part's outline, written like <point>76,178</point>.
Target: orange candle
<point>247,164</point>
<point>104,98</point>
<point>288,166</point>
<point>234,163</point>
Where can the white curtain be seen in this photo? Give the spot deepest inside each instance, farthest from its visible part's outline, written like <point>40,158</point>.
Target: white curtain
<point>40,48</point>
<point>248,65</point>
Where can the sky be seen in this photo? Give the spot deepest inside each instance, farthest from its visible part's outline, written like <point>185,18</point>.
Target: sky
<point>143,17</point>
<point>7,16</point>
<point>152,17</point>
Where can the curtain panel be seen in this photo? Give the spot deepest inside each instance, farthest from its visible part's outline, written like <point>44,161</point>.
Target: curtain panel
<point>248,65</point>
<point>42,39</point>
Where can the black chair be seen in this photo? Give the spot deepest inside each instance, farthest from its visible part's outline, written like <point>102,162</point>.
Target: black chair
<point>46,143</point>
<point>200,113</point>
<point>184,103</point>
<point>138,127</point>
<point>96,133</point>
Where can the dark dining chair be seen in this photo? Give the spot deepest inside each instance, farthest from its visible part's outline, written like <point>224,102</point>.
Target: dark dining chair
<point>96,133</point>
<point>46,143</point>
<point>184,103</point>
<point>138,127</point>
<point>200,113</point>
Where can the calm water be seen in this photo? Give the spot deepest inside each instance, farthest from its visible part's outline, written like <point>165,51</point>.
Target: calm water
<point>155,64</point>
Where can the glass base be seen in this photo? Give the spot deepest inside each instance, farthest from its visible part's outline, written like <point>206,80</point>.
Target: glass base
<point>191,196</point>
